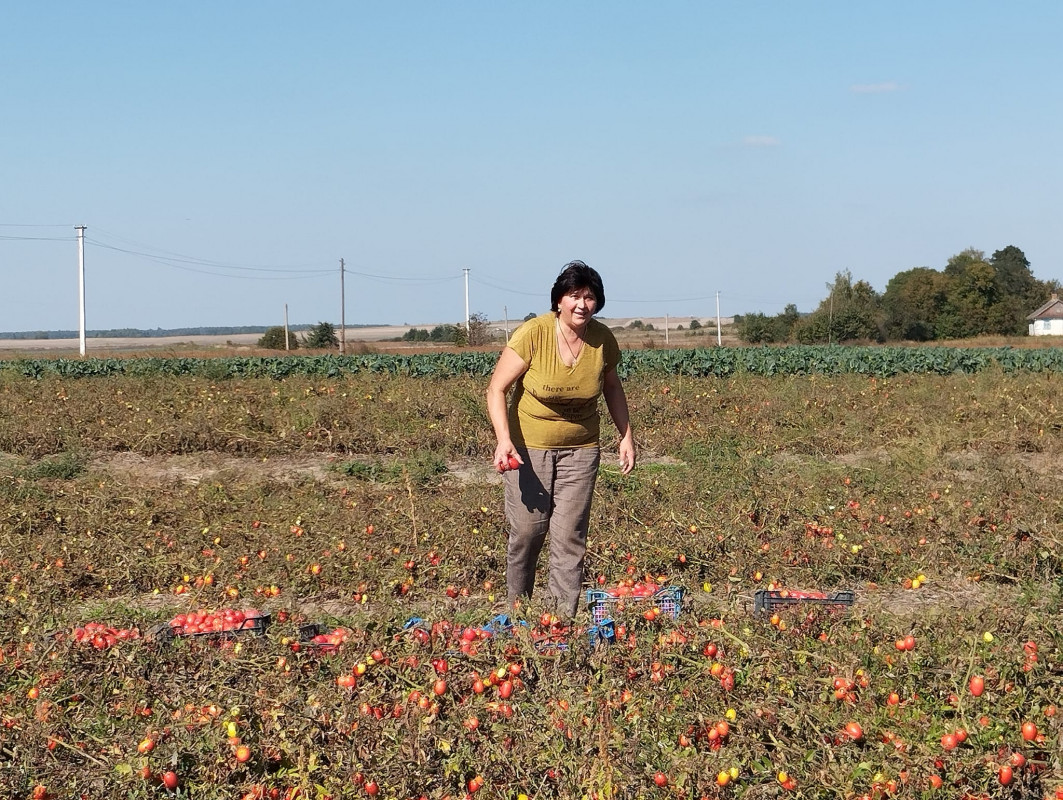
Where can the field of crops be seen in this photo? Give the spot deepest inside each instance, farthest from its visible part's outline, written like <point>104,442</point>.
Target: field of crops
<point>352,510</point>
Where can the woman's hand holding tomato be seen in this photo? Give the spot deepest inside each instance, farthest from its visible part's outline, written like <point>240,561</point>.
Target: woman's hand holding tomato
<point>506,457</point>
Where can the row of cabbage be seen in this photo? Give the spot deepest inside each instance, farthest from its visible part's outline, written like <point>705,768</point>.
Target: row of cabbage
<point>705,362</point>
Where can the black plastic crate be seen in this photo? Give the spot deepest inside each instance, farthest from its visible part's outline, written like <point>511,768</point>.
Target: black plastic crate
<point>254,626</point>
<point>770,599</point>
<point>309,631</point>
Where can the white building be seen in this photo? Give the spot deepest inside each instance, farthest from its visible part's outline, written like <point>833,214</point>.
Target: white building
<point>1048,319</point>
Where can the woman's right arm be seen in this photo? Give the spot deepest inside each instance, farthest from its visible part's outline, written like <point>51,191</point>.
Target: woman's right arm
<point>509,368</point>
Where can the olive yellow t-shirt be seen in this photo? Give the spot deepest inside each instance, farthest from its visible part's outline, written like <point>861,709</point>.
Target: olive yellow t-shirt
<point>554,405</point>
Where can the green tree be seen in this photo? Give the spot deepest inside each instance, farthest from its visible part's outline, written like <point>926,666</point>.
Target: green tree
<point>787,320</point>
<point>444,333</point>
<point>851,312</point>
<point>972,294</point>
<point>912,303</point>
<point>321,337</point>
<point>273,339</point>
<point>416,335</point>
<point>1019,291</point>
<point>757,328</point>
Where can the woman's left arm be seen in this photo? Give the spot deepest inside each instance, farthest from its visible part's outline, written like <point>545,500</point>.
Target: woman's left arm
<point>616,401</point>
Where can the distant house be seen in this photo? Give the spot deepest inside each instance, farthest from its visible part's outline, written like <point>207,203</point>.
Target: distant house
<point>1048,319</point>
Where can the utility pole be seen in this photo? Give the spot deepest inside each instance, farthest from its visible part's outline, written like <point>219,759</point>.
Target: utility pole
<point>665,328</point>
<point>286,344</point>
<point>830,315</point>
<point>81,287</point>
<point>343,317</point>
<point>719,336</point>
<point>505,313</point>
<point>468,329</point>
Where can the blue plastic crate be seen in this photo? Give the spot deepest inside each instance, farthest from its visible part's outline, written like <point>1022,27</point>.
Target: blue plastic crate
<point>500,624</point>
<point>606,605</point>
<point>602,633</point>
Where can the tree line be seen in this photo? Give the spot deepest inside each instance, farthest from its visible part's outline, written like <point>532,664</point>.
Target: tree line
<point>972,296</point>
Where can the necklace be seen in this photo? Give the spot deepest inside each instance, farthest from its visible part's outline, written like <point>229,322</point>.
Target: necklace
<point>574,354</point>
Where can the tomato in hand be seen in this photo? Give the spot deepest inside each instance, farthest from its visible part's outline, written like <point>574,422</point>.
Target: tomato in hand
<point>511,463</point>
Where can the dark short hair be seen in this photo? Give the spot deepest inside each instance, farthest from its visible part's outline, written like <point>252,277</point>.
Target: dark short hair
<point>575,276</point>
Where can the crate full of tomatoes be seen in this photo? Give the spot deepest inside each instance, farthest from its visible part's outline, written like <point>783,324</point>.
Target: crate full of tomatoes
<point>222,623</point>
<point>648,598</point>
<point>771,599</point>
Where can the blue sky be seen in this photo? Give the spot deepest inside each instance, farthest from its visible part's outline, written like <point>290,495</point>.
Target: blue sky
<point>225,156</point>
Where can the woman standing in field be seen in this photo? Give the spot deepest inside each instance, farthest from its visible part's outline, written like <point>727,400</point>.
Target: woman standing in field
<point>558,365</point>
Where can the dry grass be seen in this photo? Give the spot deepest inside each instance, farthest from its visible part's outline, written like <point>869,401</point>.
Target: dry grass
<point>120,497</point>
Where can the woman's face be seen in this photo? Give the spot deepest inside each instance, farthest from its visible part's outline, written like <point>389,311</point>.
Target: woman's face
<point>577,307</point>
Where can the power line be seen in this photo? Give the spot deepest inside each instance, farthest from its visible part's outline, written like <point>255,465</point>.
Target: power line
<point>506,289</point>
<point>170,263</point>
<point>160,252</point>
<point>174,260</point>
<point>36,238</point>
<point>403,278</point>
<point>303,270</point>
<point>611,299</point>
<point>663,300</point>
<point>235,277</point>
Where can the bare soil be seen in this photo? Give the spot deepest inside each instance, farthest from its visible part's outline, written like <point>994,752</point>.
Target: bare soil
<point>951,593</point>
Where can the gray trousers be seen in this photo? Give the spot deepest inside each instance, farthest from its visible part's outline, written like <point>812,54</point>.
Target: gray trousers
<point>550,494</point>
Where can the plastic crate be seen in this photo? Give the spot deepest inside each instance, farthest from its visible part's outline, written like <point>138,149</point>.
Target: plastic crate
<point>499,624</point>
<point>414,622</point>
<point>496,625</point>
<point>308,632</point>
<point>549,643</point>
<point>769,599</point>
<point>602,633</point>
<point>311,629</point>
<point>255,626</point>
<point>606,605</point>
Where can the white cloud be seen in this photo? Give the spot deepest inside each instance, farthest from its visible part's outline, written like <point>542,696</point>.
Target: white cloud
<point>875,88</point>
<point>761,141</point>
